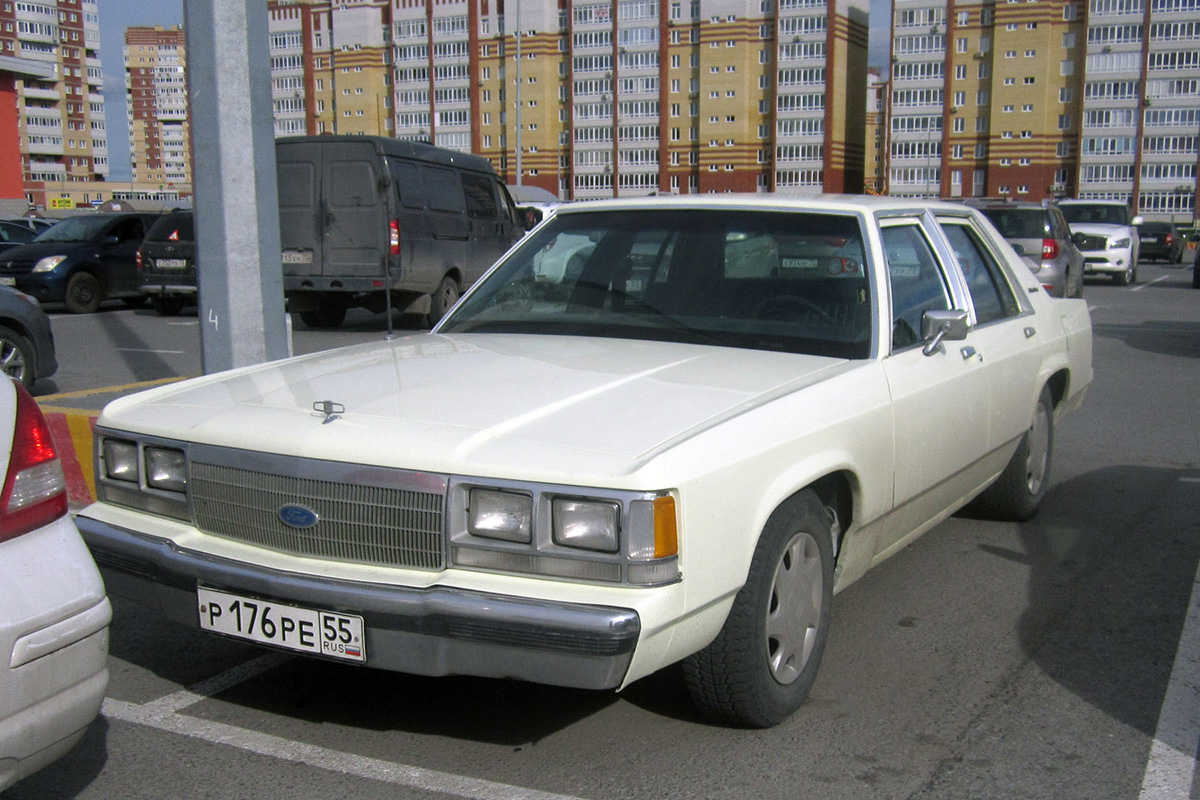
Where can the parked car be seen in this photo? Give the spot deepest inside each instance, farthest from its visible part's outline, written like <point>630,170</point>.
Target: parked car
<point>738,406</point>
<point>1038,230</point>
<point>54,615</point>
<point>379,223</point>
<point>80,262</point>
<point>1109,240</point>
<point>1161,240</point>
<point>13,234</point>
<point>166,262</point>
<point>26,341</point>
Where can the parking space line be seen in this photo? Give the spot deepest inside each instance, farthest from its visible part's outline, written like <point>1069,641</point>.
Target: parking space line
<point>161,714</point>
<point>1171,768</point>
<point>1141,286</point>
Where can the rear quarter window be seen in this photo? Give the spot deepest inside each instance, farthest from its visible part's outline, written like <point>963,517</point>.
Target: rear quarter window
<point>407,180</point>
<point>444,189</point>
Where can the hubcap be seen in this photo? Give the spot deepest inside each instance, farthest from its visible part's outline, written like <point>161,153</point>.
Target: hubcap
<point>11,361</point>
<point>1038,452</point>
<point>794,608</point>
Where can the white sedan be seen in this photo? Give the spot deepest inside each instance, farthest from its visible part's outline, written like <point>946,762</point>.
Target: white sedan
<point>732,408</point>
<point>54,614</point>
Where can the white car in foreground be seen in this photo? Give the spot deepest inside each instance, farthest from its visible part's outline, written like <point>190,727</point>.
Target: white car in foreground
<point>732,409</point>
<point>54,614</point>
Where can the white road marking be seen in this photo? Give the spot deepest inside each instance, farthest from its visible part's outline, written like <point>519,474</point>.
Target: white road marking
<point>162,715</point>
<point>1141,286</point>
<point>1171,769</point>
<point>144,350</point>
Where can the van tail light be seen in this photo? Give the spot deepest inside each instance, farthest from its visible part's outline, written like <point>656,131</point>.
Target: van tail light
<point>1049,249</point>
<point>137,261</point>
<point>35,491</point>
<point>394,236</point>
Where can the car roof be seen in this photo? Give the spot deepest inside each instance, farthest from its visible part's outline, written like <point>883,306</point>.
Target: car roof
<point>776,201</point>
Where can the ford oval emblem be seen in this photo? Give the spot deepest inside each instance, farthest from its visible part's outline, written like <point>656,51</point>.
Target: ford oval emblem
<point>298,516</point>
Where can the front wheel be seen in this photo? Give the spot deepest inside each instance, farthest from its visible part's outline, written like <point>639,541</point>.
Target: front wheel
<point>762,664</point>
<point>1018,491</point>
<point>84,293</point>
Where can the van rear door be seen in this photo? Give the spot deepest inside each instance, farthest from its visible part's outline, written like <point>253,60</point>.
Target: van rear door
<point>333,209</point>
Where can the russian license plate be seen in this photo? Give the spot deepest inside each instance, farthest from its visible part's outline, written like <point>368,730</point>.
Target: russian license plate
<point>8,281</point>
<point>798,263</point>
<point>297,256</point>
<point>305,630</point>
<point>171,263</point>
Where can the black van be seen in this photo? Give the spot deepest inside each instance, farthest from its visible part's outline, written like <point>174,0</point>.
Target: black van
<point>358,214</point>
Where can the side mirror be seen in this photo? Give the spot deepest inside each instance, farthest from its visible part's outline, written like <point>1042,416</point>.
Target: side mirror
<point>112,239</point>
<point>942,326</point>
<point>1020,248</point>
<point>530,216</point>
<point>1077,238</point>
<point>1138,220</point>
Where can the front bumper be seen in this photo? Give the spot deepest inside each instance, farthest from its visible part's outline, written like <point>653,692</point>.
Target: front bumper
<point>1107,261</point>
<point>47,287</point>
<point>435,631</point>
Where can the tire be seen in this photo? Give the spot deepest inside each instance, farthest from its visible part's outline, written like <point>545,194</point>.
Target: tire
<point>442,299</point>
<point>167,305</point>
<point>1125,278</point>
<point>1016,494</point>
<point>762,664</point>
<point>17,357</point>
<point>1196,275</point>
<point>84,293</point>
<point>328,314</point>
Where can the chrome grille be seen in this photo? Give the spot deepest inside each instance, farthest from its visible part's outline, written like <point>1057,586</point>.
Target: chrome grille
<point>358,523</point>
<point>1090,242</point>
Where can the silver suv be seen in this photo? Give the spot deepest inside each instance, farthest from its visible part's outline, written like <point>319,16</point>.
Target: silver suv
<point>1040,232</point>
<point>1109,240</point>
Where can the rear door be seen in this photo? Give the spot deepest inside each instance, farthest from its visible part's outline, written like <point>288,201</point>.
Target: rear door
<point>355,210</point>
<point>118,254</point>
<point>299,170</point>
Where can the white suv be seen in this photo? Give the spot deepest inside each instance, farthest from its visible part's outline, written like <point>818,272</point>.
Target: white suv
<point>1105,234</point>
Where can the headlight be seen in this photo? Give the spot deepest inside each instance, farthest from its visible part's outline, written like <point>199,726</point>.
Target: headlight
<point>500,515</point>
<point>48,263</point>
<point>166,469</point>
<point>120,460</point>
<point>586,524</point>
<point>1120,244</point>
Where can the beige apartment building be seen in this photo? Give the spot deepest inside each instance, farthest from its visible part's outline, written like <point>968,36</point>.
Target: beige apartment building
<point>157,108</point>
<point>1038,99</point>
<point>591,99</point>
<point>59,97</point>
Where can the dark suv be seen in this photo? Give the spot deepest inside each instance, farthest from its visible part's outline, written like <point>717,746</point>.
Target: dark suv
<point>1040,232</point>
<point>166,262</point>
<point>80,262</point>
<point>1161,240</point>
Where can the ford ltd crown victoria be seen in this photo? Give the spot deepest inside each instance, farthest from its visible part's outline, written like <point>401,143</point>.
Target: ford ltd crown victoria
<point>675,451</point>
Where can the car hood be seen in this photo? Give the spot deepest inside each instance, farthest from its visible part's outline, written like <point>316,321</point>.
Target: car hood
<point>32,252</point>
<point>541,406</point>
<point>1100,229</point>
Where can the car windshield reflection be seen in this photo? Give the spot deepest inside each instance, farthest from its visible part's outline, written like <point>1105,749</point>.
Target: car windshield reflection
<point>791,282</point>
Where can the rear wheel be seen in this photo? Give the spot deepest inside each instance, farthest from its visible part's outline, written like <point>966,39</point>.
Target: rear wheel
<point>167,305</point>
<point>1018,491</point>
<point>328,314</point>
<point>134,302</point>
<point>441,300</point>
<point>762,664</point>
<point>84,293</point>
<point>17,357</point>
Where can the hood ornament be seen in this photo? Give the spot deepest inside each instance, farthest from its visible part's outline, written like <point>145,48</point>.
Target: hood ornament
<point>330,409</point>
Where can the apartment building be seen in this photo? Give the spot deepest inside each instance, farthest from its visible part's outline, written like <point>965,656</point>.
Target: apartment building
<point>591,99</point>
<point>157,107</point>
<point>59,94</point>
<point>1033,99</point>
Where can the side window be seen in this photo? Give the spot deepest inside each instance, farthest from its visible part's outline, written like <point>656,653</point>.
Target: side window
<point>481,199</point>
<point>444,189</point>
<point>917,282</point>
<point>990,293</point>
<point>128,229</point>
<point>407,180</point>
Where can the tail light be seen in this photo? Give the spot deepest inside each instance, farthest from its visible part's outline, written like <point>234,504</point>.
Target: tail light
<point>137,260</point>
<point>1170,239</point>
<point>394,236</point>
<point>1049,249</point>
<point>35,491</point>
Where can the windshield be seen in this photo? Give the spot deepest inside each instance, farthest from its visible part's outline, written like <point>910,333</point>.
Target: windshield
<point>1019,223</point>
<point>75,229</point>
<point>793,282</point>
<point>1100,213</point>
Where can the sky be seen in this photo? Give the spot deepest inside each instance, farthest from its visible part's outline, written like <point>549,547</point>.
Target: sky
<point>117,15</point>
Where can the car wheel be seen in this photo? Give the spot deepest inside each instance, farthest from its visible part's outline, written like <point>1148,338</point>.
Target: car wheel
<point>1196,276</point>
<point>167,305</point>
<point>17,357</point>
<point>762,664</point>
<point>84,293</point>
<point>1018,491</point>
<point>442,299</point>
<point>327,314</point>
<point>1124,278</point>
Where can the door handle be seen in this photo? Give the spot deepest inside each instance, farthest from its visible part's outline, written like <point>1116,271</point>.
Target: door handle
<point>1030,332</point>
<point>968,353</point>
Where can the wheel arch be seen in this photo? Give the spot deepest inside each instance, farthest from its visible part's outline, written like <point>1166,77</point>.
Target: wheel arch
<point>1059,383</point>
